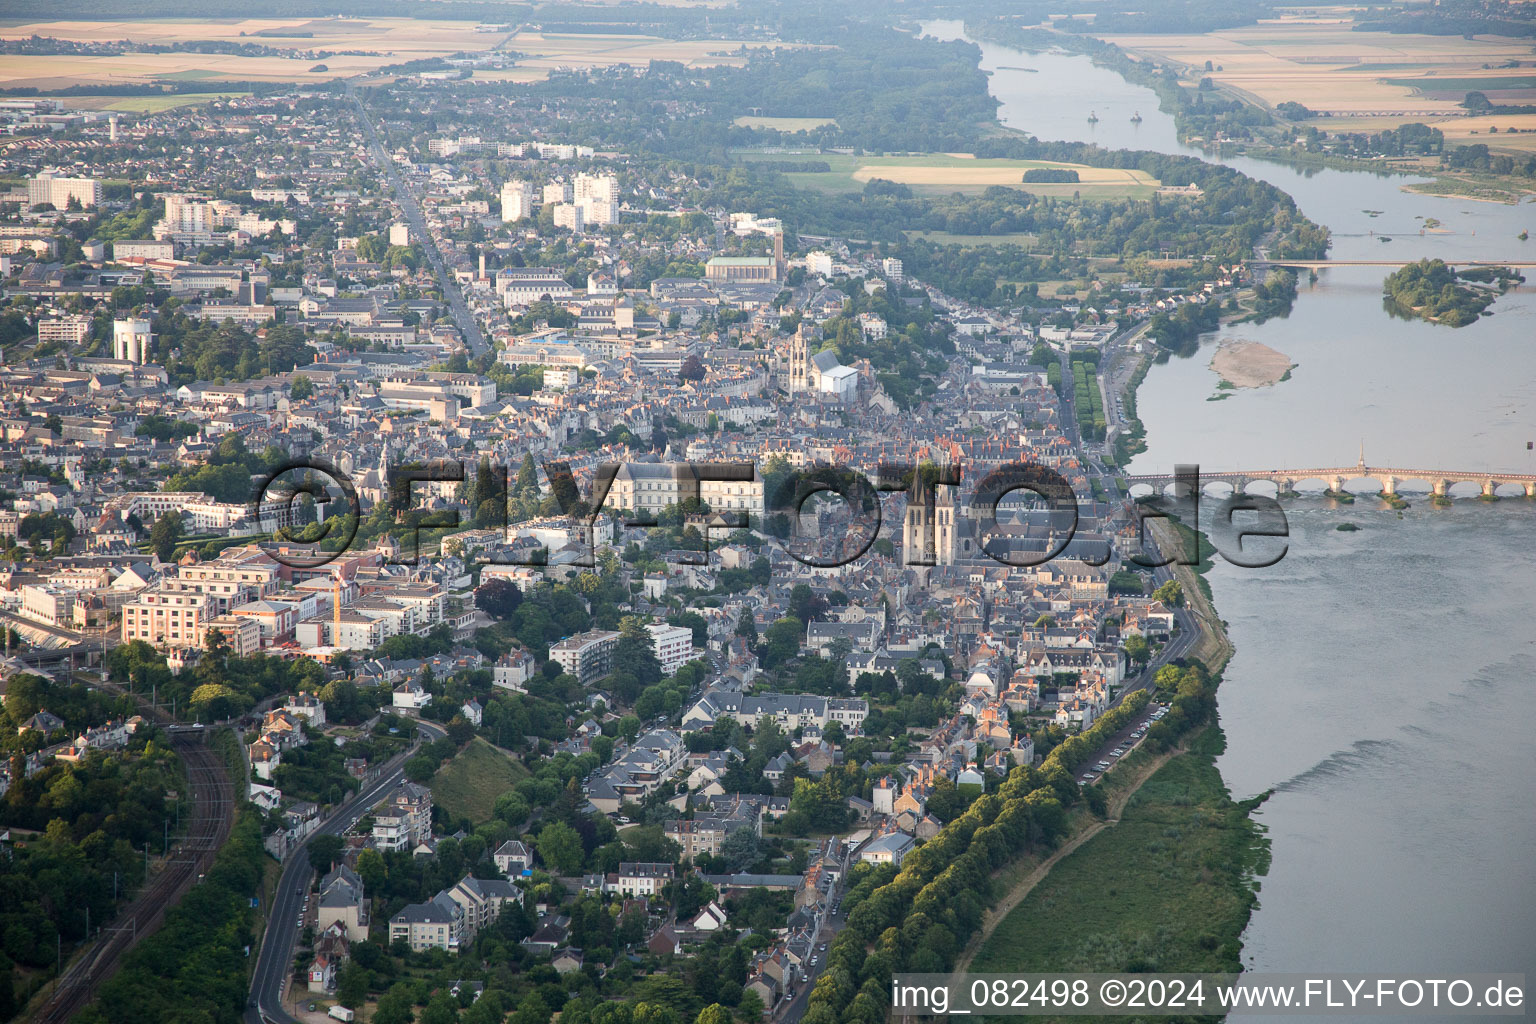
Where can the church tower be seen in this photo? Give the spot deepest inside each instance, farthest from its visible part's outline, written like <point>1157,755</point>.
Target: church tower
<point>799,362</point>
<point>946,527</point>
<point>915,549</point>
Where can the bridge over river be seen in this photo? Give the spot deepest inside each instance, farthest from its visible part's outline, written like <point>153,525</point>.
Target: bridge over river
<point>1325,264</point>
<point>1336,479</point>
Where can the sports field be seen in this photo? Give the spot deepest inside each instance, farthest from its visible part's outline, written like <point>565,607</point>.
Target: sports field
<point>959,172</point>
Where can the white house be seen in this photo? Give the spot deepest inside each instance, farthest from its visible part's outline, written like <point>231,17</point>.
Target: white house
<point>411,696</point>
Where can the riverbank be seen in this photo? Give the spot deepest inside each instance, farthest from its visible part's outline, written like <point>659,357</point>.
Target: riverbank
<point>1168,886</point>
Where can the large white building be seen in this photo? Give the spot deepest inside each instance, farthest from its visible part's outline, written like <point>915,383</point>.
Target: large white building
<point>58,191</point>
<point>516,200</point>
<point>522,286</point>
<point>570,217</point>
<point>674,646</point>
<point>597,196</point>
<point>652,486</point>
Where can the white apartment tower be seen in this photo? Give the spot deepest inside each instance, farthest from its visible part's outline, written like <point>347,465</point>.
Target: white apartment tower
<point>516,201</point>
<point>569,216</point>
<point>598,197</point>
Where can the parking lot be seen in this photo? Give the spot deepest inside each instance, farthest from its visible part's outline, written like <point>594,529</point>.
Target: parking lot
<point>1121,744</point>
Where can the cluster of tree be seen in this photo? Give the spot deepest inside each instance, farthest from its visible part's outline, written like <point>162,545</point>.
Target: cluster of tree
<point>206,351</point>
<point>1058,175</point>
<point>1477,157</point>
<point>1274,295</point>
<point>1180,330</point>
<point>78,705</point>
<point>220,686</point>
<point>1431,290</point>
<point>1087,402</point>
<point>226,476</point>
<point>93,820</point>
<point>38,527</point>
<point>164,428</point>
<point>1408,140</point>
<point>195,966</point>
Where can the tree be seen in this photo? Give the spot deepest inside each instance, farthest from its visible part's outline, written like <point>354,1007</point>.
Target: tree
<point>165,535</point>
<point>498,598</point>
<point>324,851</point>
<point>636,652</point>
<point>559,847</point>
<point>352,985</point>
<point>746,627</point>
<point>1136,648</point>
<point>1170,593</point>
<point>740,849</point>
<point>300,388</point>
<point>692,369</point>
<point>714,1013</point>
<point>781,642</point>
<point>371,869</point>
<point>750,1010</point>
<point>394,1006</point>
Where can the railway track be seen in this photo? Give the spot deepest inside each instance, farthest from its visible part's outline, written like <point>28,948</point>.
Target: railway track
<point>212,817</point>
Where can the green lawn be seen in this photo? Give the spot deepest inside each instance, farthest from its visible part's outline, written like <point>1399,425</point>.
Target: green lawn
<point>1167,889</point>
<point>468,785</point>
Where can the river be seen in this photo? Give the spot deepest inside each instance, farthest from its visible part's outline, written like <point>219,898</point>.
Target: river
<point>1381,685</point>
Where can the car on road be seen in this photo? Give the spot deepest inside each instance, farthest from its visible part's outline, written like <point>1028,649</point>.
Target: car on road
<point>822,948</point>
<point>1102,765</point>
<point>623,820</point>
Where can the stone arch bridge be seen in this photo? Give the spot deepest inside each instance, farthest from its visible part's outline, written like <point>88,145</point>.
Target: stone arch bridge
<point>1437,481</point>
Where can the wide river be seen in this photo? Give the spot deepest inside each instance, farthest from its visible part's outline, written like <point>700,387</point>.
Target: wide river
<point>1382,685</point>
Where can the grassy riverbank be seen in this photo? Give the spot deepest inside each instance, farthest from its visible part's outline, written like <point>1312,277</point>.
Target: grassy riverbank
<point>1168,888</point>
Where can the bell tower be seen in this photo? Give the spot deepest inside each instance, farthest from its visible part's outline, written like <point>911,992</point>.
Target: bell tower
<point>799,362</point>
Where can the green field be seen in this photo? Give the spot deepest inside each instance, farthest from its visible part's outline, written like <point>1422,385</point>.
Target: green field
<point>1170,888</point>
<point>944,173</point>
<point>156,104</point>
<point>468,785</point>
<point>1489,84</point>
<point>192,75</point>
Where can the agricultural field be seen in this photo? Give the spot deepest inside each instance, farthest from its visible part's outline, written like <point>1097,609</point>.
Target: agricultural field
<point>382,41</point>
<point>378,42</point>
<point>960,172</point>
<point>551,51</point>
<point>1321,63</point>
